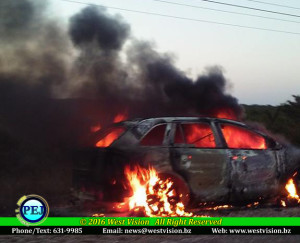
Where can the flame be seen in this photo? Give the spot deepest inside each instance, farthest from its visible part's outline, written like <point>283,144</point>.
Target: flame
<point>95,128</point>
<point>291,189</point>
<point>196,131</point>
<point>109,138</point>
<point>226,114</point>
<point>292,197</point>
<point>98,215</point>
<point>282,202</point>
<point>120,117</point>
<point>219,207</point>
<point>239,138</point>
<point>152,195</point>
<point>113,134</point>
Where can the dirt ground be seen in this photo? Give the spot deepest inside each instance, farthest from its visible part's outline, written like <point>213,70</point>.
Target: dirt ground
<point>235,212</point>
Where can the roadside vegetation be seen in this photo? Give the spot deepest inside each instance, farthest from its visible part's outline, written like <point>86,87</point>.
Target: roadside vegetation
<point>283,119</point>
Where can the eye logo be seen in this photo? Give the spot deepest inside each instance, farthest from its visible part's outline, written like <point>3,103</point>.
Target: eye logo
<point>33,209</point>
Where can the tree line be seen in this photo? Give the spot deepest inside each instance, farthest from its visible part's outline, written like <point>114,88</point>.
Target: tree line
<point>283,119</point>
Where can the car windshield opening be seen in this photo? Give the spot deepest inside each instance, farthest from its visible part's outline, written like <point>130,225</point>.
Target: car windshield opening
<point>109,136</point>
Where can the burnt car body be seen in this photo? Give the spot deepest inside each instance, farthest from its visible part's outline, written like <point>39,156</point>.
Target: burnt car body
<point>215,160</point>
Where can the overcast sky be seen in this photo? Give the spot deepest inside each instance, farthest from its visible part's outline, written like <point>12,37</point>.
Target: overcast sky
<point>263,67</point>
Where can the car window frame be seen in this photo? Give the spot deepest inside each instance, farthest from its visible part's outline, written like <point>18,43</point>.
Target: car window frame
<point>219,123</point>
<point>185,144</point>
<point>165,142</point>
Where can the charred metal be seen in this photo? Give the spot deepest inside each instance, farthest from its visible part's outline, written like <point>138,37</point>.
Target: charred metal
<point>205,163</point>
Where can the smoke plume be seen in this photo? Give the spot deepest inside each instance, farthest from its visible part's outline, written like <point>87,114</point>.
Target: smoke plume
<point>147,83</point>
<point>56,81</point>
<point>42,61</point>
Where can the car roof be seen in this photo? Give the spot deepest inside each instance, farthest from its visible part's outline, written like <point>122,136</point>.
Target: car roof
<point>156,120</point>
<point>150,122</point>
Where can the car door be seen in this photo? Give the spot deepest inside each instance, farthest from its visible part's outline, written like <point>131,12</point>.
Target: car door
<point>253,164</point>
<point>154,147</point>
<point>197,155</point>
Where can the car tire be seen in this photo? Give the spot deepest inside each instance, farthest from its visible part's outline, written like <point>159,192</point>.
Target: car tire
<point>297,181</point>
<point>180,186</point>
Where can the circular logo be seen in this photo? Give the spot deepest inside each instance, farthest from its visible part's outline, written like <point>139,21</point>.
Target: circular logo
<point>33,209</point>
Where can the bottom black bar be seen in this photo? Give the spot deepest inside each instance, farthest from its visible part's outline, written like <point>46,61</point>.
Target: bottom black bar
<point>150,230</point>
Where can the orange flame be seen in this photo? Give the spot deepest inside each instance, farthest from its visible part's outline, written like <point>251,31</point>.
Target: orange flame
<point>202,131</point>
<point>120,117</point>
<point>240,138</point>
<point>291,189</point>
<point>221,207</point>
<point>282,202</point>
<point>226,114</point>
<point>292,193</point>
<point>154,196</point>
<point>95,128</point>
<point>110,137</point>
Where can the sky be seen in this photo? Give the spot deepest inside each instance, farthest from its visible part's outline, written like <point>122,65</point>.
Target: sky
<point>263,67</point>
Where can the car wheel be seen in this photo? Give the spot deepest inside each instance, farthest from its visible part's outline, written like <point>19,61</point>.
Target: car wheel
<point>182,191</point>
<point>297,181</point>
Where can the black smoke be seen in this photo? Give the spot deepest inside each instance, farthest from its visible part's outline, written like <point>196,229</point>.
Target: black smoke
<point>95,62</point>
<point>34,125</point>
<point>88,26</point>
<point>56,81</point>
<point>147,83</point>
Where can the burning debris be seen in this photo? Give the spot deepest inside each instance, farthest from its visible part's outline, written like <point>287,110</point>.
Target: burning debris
<point>251,205</point>
<point>156,197</point>
<point>291,188</point>
<point>152,195</point>
<point>292,197</point>
<point>219,207</point>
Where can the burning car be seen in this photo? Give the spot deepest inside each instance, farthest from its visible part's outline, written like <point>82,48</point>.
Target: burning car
<point>206,159</point>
